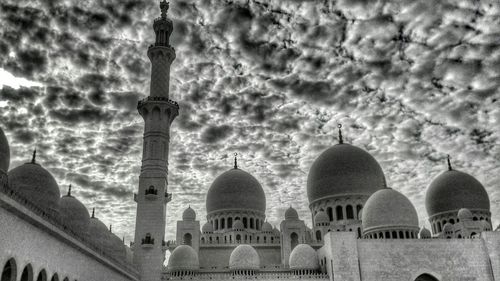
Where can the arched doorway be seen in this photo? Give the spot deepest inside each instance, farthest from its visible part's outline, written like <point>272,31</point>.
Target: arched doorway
<point>318,235</point>
<point>188,239</point>
<point>9,271</point>
<point>294,240</point>
<point>42,276</point>
<point>426,277</point>
<point>27,274</point>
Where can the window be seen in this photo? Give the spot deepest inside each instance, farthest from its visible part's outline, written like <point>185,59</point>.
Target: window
<point>339,212</point>
<point>294,240</point>
<point>9,271</point>
<point>358,211</point>
<point>349,212</point>
<point>318,235</point>
<point>329,211</point>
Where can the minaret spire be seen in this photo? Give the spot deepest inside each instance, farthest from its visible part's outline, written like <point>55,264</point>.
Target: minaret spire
<point>341,140</point>
<point>448,159</point>
<point>236,160</point>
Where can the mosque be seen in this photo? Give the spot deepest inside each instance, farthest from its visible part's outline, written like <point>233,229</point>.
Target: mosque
<point>361,228</point>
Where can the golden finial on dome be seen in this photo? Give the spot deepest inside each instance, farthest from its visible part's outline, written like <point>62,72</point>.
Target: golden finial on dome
<point>236,160</point>
<point>341,140</point>
<point>33,160</point>
<point>448,157</point>
<point>69,190</point>
<point>93,213</point>
<point>164,5</point>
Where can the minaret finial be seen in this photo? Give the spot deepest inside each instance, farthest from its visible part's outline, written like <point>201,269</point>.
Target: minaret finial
<point>33,160</point>
<point>69,190</point>
<point>236,160</point>
<point>110,228</point>
<point>93,212</point>
<point>164,5</point>
<point>341,140</point>
<point>448,157</point>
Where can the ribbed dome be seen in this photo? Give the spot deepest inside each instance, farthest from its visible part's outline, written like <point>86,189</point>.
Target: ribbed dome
<point>189,214</point>
<point>238,225</point>
<point>267,227</point>
<point>464,214</point>
<point>424,233</point>
<point>236,189</point>
<point>36,184</point>
<point>74,214</point>
<point>389,209</point>
<point>4,152</point>
<point>244,257</point>
<point>453,190</point>
<point>321,217</point>
<point>303,256</point>
<point>291,214</point>
<point>207,228</point>
<point>344,169</point>
<point>183,258</point>
<point>448,227</point>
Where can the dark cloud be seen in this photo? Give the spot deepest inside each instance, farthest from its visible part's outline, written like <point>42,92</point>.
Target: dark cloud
<point>213,134</point>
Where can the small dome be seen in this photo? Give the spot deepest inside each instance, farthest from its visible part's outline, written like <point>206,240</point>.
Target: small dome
<point>244,257</point>
<point>238,225</point>
<point>183,258</point>
<point>189,214</point>
<point>36,184</point>
<point>207,228</point>
<point>321,217</point>
<point>453,190</point>
<point>74,214</point>
<point>99,234</point>
<point>236,190</point>
<point>118,248</point>
<point>344,169</point>
<point>448,227</point>
<point>424,233</point>
<point>291,214</point>
<point>389,209</point>
<point>267,227</point>
<point>303,256</point>
<point>464,214</point>
<point>4,152</point>
<point>485,225</point>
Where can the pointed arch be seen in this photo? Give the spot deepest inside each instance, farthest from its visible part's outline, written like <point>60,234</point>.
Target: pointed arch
<point>9,271</point>
<point>27,274</point>
<point>55,277</point>
<point>425,277</point>
<point>42,276</point>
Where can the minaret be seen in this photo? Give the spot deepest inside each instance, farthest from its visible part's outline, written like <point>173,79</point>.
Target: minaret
<point>158,112</point>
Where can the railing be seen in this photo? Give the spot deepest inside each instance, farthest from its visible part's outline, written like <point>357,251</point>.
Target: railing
<point>254,276</point>
<point>164,99</point>
<point>55,221</point>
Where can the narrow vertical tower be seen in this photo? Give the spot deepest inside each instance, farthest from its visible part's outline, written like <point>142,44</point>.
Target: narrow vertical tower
<point>158,112</point>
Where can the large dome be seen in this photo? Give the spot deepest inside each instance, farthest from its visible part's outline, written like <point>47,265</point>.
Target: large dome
<point>4,152</point>
<point>244,257</point>
<point>389,209</point>
<point>303,256</point>
<point>236,189</point>
<point>344,169</point>
<point>74,214</point>
<point>453,190</point>
<point>36,184</point>
<point>183,258</point>
<point>99,233</point>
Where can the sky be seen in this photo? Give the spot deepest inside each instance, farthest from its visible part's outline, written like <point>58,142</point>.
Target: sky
<point>411,81</point>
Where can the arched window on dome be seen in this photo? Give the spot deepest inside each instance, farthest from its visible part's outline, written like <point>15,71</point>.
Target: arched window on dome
<point>27,274</point>
<point>394,234</point>
<point>251,223</point>
<point>216,226</point>
<point>339,212</point>
<point>438,226</point>
<point>222,223</point>
<point>187,239</point>
<point>358,211</point>
<point>452,221</point>
<point>349,212</point>
<point>257,226</point>
<point>229,222</point>
<point>329,211</point>
<point>318,235</point>
<point>245,222</point>
<point>294,240</point>
<point>387,235</point>
<point>55,277</point>
<point>9,272</point>
<point>238,238</point>
<point>407,234</point>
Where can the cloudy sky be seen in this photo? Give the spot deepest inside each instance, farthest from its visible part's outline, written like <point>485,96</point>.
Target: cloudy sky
<point>411,81</point>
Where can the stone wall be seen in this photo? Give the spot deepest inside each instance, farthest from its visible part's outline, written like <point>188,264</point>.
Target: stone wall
<point>216,257</point>
<point>28,239</point>
<point>405,259</point>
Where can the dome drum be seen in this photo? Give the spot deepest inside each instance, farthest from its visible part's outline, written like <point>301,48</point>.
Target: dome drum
<point>224,220</point>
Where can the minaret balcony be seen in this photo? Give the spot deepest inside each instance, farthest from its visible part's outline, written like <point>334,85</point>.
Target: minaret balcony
<point>168,197</point>
<point>151,193</point>
<point>147,242</point>
<point>157,98</point>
